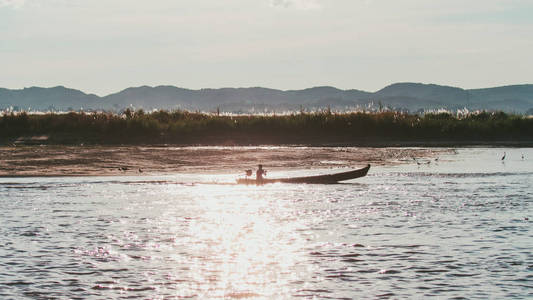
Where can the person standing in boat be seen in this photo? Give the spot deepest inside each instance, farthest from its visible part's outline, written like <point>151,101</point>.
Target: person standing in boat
<point>259,174</point>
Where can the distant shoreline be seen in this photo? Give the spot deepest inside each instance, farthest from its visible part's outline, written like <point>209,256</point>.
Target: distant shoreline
<point>232,143</point>
<point>244,141</point>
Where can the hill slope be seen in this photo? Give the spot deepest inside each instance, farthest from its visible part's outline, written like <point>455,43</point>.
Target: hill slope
<point>406,96</point>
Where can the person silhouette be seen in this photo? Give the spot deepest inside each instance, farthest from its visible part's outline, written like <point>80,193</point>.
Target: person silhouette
<point>259,174</point>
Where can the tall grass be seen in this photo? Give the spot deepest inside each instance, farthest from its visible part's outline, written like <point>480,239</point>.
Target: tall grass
<point>183,127</point>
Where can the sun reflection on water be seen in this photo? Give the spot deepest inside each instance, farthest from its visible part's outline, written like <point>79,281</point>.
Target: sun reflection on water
<point>242,243</point>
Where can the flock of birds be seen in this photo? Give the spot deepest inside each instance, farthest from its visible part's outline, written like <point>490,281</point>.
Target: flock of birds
<point>418,162</point>
<point>124,169</point>
<point>427,162</point>
<point>424,162</point>
<point>505,154</point>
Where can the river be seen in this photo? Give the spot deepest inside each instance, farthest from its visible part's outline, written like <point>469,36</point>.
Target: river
<point>456,226</point>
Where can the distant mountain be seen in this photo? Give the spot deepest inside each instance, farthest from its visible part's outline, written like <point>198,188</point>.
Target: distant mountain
<point>36,98</point>
<point>402,96</point>
<point>415,96</point>
<point>507,98</point>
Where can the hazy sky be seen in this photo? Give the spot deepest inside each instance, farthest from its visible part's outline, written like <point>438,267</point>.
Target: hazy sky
<point>104,46</point>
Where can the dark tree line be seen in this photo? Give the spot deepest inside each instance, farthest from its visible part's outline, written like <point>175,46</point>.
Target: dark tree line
<point>183,127</point>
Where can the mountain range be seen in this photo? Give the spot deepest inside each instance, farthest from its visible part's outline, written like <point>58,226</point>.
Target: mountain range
<point>411,97</point>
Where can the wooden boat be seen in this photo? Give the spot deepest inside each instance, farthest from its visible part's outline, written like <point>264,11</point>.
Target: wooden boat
<point>318,179</point>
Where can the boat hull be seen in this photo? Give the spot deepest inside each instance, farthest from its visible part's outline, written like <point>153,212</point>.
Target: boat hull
<point>318,179</point>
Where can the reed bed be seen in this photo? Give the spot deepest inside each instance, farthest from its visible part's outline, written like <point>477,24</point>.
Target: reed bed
<point>184,127</point>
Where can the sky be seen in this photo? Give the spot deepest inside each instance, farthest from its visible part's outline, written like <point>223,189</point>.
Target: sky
<point>104,46</point>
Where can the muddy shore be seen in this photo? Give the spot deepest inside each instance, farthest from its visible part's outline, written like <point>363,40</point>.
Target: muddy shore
<point>156,160</point>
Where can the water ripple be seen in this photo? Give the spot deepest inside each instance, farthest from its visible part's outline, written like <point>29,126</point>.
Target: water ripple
<point>394,234</point>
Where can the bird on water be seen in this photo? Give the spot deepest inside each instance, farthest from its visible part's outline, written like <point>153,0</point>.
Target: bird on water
<point>503,157</point>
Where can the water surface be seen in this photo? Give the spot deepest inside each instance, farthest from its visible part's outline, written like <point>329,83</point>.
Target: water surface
<point>455,227</point>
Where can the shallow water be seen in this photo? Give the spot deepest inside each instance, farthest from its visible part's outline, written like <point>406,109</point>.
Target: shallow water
<point>456,227</point>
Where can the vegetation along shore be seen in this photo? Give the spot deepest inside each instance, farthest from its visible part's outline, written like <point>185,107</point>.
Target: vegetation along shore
<point>317,128</point>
